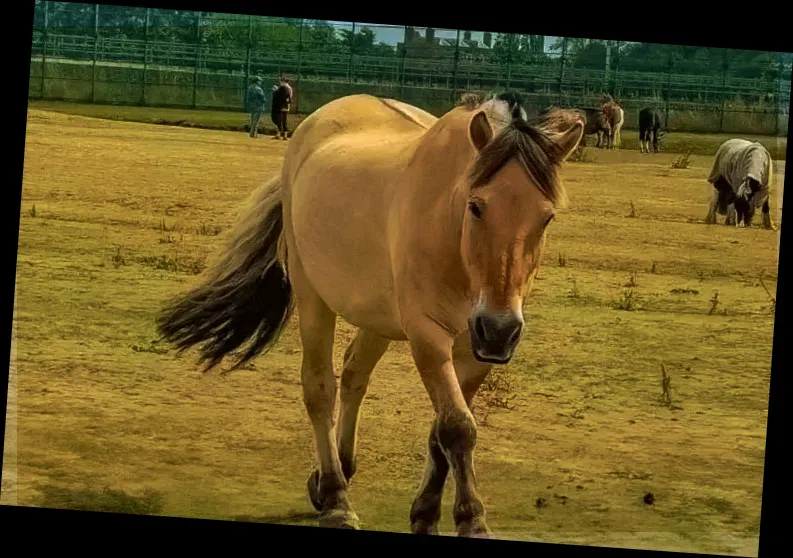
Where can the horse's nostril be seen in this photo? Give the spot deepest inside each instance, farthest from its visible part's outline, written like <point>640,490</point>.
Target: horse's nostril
<point>479,328</point>
<point>514,337</point>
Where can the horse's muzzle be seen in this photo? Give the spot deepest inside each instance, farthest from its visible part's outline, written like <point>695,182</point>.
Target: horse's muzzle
<point>494,336</point>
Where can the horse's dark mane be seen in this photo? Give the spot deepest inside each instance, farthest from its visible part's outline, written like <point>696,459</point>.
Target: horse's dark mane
<point>528,142</point>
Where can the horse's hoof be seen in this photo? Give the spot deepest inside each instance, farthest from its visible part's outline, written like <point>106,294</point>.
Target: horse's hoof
<point>424,528</point>
<point>313,490</point>
<point>340,519</point>
<point>475,528</point>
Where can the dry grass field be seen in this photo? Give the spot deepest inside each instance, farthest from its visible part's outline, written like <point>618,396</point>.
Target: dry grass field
<point>117,216</point>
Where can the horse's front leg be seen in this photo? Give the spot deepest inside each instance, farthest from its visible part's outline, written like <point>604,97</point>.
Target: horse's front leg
<point>732,216</point>
<point>767,223</point>
<point>425,513</point>
<point>426,510</point>
<point>453,435</point>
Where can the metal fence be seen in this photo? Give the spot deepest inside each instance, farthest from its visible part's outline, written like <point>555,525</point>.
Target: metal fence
<point>208,60</point>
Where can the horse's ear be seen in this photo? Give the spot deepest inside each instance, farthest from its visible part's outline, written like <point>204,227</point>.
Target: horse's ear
<point>569,139</point>
<point>480,131</point>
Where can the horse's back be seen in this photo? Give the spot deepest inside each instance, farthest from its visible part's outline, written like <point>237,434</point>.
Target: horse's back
<point>363,113</point>
<point>736,154</point>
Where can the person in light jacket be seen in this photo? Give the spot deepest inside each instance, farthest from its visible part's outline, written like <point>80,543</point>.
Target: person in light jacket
<point>255,101</point>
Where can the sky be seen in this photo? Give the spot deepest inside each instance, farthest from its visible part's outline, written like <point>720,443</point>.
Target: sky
<point>392,34</point>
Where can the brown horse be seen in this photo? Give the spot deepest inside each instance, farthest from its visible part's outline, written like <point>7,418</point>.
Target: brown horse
<point>412,228</point>
<point>615,115</point>
<point>596,123</point>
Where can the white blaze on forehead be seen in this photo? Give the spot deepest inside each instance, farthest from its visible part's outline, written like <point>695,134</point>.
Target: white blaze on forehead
<point>500,111</point>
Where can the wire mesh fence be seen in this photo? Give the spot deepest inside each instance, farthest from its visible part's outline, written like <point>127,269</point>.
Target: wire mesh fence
<point>126,55</point>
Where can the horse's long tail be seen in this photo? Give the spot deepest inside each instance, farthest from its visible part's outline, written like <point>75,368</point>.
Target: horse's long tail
<point>246,297</point>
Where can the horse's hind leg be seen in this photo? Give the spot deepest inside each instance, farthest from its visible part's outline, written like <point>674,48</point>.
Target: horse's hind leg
<point>360,358</point>
<point>426,510</point>
<point>712,207</point>
<point>327,486</point>
<point>767,223</point>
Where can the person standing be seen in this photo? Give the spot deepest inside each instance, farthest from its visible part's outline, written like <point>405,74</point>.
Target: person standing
<point>282,99</point>
<point>256,101</point>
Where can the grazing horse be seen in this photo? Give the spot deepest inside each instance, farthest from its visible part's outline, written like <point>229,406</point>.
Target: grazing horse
<point>649,127</point>
<point>411,228</point>
<point>742,176</point>
<point>616,118</point>
<point>596,123</point>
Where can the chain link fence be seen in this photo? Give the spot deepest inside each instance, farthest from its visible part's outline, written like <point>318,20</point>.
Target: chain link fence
<point>144,56</point>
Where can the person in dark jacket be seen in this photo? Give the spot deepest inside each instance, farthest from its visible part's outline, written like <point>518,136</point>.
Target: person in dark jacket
<point>282,99</point>
<point>256,101</point>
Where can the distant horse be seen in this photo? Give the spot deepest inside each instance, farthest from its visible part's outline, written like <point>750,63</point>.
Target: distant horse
<point>411,228</point>
<point>596,123</point>
<point>616,118</point>
<point>742,177</point>
<point>649,127</point>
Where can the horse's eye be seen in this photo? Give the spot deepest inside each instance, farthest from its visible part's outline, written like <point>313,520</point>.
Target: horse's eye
<point>474,209</point>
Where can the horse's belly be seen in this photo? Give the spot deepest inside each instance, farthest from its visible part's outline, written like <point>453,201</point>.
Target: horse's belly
<point>339,223</point>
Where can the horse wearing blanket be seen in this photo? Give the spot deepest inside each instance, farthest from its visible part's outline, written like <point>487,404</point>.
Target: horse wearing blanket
<point>742,176</point>
<point>412,228</point>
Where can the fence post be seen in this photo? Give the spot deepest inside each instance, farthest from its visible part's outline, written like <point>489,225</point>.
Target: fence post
<point>96,53</point>
<point>561,68</point>
<point>402,72</point>
<point>607,70</point>
<point>247,64</point>
<point>145,57</point>
<point>44,48</point>
<point>197,57</point>
<point>669,67</point>
<point>615,92</point>
<point>778,111</point>
<point>352,52</point>
<point>299,65</point>
<point>510,39</point>
<point>725,67</point>
<point>454,67</point>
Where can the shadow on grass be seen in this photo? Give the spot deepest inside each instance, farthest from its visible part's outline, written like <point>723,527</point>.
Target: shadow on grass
<point>289,518</point>
<point>107,500</point>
